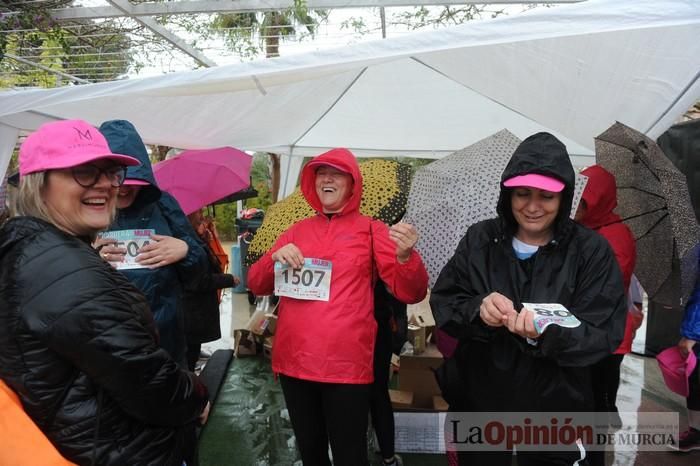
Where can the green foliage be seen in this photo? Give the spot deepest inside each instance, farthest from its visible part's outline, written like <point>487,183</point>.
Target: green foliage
<point>225,221</point>
<point>419,17</point>
<point>422,16</point>
<point>260,177</point>
<point>26,16</point>
<point>250,34</point>
<point>86,50</point>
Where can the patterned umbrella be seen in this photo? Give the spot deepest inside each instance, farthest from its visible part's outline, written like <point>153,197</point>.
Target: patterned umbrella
<point>653,200</point>
<point>451,194</point>
<point>384,195</point>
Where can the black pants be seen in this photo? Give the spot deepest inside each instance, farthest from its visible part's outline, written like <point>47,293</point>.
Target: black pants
<point>328,411</point>
<point>380,403</point>
<point>193,352</point>
<point>605,376</point>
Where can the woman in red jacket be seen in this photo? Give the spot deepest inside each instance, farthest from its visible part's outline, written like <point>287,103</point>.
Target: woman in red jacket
<point>596,212</point>
<point>324,269</point>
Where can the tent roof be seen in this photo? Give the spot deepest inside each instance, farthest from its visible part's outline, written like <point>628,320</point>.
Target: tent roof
<point>572,70</point>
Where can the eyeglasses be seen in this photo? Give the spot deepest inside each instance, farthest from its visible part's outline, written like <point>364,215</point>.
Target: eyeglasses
<point>87,175</point>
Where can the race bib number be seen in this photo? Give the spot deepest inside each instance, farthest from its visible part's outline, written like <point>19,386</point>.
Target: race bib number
<point>552,314</point>
<point>311,282</point>
<point>132,241</point>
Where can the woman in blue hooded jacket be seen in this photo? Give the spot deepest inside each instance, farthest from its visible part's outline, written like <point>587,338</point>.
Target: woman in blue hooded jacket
<point>174,256</point>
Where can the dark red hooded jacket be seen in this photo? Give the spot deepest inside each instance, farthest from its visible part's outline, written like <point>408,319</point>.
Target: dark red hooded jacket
<point>601,199</point>
<point>333,341</point>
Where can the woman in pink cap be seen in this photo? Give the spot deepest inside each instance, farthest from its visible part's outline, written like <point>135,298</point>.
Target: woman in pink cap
<point>531,253</point>
<point>77,340</point>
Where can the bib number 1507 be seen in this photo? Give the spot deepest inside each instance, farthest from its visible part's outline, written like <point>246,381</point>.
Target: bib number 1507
<point>305,277</point>
<point>311,282</point>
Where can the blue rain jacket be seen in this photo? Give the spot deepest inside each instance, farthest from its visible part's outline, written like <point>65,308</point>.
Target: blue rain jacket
<point>159,211</point>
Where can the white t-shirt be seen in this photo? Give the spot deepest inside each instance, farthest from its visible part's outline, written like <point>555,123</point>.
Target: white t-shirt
<point>523,250</point>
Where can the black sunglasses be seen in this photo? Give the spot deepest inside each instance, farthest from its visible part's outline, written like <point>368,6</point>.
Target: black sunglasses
<point>87,175</point>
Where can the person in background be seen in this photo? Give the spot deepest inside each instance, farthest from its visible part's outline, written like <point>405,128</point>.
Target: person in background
<point>532,253</point>
<point>201,298</point>
<point>690,335</point>
<point>595,211</point>
<point>323,349</point>
<point>173,259</point>
<point>392,328</point>
<point>77,340</point>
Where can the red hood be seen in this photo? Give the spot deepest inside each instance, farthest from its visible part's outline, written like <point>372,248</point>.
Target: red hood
<point>343,160</point>
<point>601,198</point>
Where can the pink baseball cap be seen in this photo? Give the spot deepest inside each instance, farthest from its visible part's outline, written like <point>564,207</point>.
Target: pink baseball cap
<point>65,144</point>
<point>534,180</point>
<point>135,182</point>
<point>676,369</point>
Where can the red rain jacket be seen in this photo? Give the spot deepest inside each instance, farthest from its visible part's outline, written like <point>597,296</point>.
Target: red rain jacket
<point>333,341</point>
<point>601,198</point>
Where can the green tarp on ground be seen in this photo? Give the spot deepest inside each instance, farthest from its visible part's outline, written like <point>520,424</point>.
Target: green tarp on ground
<point>249,425</point>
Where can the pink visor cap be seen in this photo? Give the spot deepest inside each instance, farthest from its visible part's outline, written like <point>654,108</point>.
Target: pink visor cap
<point>65,144</point>
<point>533,180</point>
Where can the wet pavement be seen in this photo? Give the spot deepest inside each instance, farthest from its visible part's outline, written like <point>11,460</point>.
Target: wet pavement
<point>251,427</point>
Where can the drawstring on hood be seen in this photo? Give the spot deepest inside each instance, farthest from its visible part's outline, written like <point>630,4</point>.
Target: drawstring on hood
<point>123,138</point>
<point>541,154</point>
<point>340,159</point>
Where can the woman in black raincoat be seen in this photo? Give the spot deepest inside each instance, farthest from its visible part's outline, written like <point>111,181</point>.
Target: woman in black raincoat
<point>533,253</point>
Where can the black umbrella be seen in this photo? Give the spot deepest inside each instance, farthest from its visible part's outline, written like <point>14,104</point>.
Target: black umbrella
<point>653,200</point>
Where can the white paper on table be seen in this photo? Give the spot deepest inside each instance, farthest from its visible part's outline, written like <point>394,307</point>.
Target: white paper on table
<point>419,432</point>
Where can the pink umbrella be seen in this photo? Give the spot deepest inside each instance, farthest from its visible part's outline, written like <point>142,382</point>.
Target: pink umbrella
<point>197,178</point>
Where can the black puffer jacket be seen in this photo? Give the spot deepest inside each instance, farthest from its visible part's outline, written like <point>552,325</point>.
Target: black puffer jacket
<point>77,345</point>
<point>500,370</point>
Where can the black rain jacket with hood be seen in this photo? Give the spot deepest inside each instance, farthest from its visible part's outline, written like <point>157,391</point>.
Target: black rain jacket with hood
<point>501,371</point>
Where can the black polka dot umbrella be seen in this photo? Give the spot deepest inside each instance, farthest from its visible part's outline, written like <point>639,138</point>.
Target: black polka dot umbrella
<point>451,194</point>
<point>384,195</point>
<point>653,200</point>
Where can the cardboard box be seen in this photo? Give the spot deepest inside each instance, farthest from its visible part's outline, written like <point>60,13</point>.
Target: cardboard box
<point>267,347</point>
<point>400,399</point>
<point>244,344</point>
<point>416,375</point>
<point>439,403</point>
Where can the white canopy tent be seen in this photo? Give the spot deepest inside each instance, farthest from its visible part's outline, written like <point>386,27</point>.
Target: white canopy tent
<point>572,70</point>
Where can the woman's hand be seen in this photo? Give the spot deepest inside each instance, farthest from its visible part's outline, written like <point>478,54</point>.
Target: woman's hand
<point>405,236</point>
<point>289,254</point>
<point>109,251</point>
<point>685,346</point>
<point>161,251</point>
<point>522,323</point>
<point>205,414</point>
<point>495,309</point>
